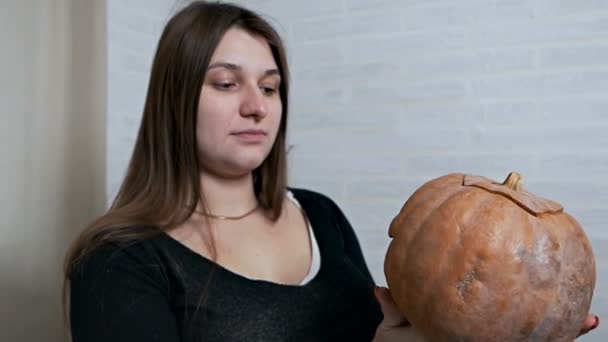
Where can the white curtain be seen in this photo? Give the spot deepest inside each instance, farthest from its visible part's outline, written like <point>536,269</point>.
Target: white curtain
<point>52,152</point>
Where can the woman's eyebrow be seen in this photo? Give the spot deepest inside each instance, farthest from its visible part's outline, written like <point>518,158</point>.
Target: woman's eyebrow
<point>235,67</point>
<point>226,65</point>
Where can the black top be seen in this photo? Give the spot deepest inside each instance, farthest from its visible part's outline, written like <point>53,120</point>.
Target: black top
<point>150,291</point>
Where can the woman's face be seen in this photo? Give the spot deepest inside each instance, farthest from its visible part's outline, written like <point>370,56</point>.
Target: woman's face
<point>239,111</point>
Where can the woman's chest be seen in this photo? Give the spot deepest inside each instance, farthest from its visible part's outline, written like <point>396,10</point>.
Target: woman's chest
<point>337,304</point>
<point>260,249</point>
<point>279,254</point>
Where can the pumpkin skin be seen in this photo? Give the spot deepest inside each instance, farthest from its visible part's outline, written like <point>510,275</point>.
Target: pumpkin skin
<point>475,260</point>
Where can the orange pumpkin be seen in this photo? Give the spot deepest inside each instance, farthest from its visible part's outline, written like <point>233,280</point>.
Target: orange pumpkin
<point>476,260</point>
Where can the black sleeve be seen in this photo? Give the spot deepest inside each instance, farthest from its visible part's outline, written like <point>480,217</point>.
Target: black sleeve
<point>118,295</point>
<point>351,243</point>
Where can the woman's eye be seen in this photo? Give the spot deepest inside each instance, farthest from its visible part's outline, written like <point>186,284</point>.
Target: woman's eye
<point>269,90</point>
<point>225,85</point>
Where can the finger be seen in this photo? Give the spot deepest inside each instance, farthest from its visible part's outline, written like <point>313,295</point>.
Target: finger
<point>392,316</point>
<point>591,322</point>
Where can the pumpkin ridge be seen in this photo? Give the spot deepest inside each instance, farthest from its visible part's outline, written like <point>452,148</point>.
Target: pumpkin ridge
<point>462,281</point>
<point>428,192</point>
<point>443,271</point>
<point>446,275</point>
<point>426,303</point>
<point>472,274</point>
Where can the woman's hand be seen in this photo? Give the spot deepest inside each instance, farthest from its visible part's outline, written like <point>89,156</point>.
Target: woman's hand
<point>394,327</point>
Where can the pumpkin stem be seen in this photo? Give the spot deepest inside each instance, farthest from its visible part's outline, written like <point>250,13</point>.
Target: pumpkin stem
<point>513,181</point>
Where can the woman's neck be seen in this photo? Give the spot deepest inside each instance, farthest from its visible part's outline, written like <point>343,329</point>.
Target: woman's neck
<point>227,196</point>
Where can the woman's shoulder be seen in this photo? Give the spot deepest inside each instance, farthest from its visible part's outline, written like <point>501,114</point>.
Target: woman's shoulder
<point>108,257</point>
<point>316,203</point>
<point>311,195</point>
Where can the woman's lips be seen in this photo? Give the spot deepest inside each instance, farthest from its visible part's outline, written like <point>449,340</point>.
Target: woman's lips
<point>250,135</point>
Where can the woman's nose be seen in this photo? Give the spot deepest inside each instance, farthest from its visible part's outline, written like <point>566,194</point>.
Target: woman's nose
<point>253,103</point>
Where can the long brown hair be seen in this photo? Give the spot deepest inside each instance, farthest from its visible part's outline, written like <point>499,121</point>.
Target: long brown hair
<point>162,185</point>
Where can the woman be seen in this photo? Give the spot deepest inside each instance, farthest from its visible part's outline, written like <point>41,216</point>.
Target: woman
<point>205,241</point>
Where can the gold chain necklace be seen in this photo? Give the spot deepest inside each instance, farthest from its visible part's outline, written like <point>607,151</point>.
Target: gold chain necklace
<point>224,217</point>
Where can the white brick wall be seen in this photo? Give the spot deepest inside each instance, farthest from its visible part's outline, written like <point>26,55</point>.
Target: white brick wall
<point>388,94</point>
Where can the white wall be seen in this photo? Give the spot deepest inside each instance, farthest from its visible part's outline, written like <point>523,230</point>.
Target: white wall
<point>388,94</point>
<point>52,177</point>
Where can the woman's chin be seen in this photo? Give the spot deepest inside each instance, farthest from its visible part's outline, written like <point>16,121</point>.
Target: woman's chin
<point>236,165</point>
<point>248,162</point>
<point>244,167</point>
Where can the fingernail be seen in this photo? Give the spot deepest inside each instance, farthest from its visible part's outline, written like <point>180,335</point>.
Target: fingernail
<point>597,322</point>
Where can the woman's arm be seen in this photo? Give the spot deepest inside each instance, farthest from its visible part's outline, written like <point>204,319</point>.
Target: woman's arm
<point>117,295</point>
